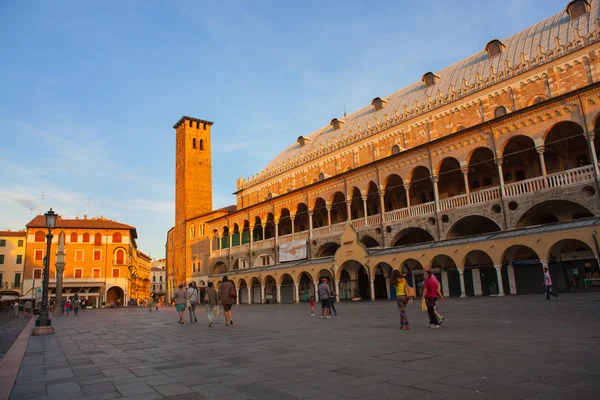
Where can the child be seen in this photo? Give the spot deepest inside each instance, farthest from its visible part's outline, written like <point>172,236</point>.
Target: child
<point>312,306</point>
<point>68,307</point>
<point>157,305</point>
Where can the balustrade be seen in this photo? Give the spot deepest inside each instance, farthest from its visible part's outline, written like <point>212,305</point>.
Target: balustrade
<point>485,195</point>
<point>422,209</point>
<point>454,202</point>
<point>571,177</point>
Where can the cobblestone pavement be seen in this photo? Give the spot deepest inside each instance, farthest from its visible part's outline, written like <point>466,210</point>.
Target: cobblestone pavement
<point>9,331</point>
<point>516,347</point>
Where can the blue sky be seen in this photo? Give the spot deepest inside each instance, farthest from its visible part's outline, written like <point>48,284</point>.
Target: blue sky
<point>90,90</point>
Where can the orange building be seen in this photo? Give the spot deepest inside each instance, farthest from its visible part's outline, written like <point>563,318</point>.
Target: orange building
<point>102,263</point>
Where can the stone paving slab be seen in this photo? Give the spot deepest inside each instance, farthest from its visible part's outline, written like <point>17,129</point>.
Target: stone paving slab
<point>516,347</point>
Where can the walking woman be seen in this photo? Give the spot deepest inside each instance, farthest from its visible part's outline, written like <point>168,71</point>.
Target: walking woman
<point>180,302</point>
<point>402,298</point>
<point>227,294</point>
<point>211,301</point>
<point>192,297</point>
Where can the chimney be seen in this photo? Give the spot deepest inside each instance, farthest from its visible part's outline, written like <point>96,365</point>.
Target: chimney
<point>85,217</point>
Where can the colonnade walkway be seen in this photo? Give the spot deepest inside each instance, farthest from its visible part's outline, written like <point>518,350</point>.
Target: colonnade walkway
<point>487,348</point>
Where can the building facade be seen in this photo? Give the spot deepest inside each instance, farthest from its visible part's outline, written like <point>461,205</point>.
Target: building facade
<point>158,282</point>
<point>485,172</point>
<point>12,259</point>
<point>102,263</point>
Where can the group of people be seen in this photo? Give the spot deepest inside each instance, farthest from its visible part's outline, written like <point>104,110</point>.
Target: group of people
<point>327,298</point>
<point>191,297</point>
<point>67,305</point>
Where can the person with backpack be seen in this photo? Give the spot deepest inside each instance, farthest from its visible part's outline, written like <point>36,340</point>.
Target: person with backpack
<point>76,303</point>
<point>404,292</point>
<point>227,294</point>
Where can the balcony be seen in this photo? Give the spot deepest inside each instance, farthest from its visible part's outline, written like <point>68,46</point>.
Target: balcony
<point>553,181</point>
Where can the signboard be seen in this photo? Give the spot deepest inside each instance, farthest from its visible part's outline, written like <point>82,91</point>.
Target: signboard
<point>577,255</point>
<point>38,295</point>
<point>292,251</point>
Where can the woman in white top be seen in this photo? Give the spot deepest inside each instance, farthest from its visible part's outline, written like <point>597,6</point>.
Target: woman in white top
<point>192,297</point>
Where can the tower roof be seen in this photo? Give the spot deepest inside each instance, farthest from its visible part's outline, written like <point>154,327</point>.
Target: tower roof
<point>186,118</point>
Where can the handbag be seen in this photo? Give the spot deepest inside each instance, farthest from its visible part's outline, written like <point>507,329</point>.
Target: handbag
<point>410,291</point>
<point>232,293</point>
<point>423,305</point>
<point>206,298</point>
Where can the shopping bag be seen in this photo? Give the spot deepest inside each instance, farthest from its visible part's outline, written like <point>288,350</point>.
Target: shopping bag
<point>423,305</point>
<point>218,311</point>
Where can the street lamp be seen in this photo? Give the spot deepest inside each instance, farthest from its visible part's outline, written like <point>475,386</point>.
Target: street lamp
<point>44,318</point>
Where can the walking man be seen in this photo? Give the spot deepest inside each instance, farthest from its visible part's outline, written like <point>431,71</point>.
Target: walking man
<point>324,295</point>
<point>548,285</point>
<point>431,290</point>
<point>192,298</point>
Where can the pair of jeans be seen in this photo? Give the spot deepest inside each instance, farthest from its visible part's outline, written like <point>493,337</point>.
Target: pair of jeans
<point>332,304</point>
<point>549,292</point>
<point>210,311</point>
<point>402,302</point>
<point>192,311</point>
<point>430,301</point>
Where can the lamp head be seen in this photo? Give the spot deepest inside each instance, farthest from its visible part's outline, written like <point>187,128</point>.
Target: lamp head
<point>50,219</point>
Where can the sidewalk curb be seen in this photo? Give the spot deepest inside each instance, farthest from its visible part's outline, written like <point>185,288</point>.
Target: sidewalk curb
<point>11,362</point>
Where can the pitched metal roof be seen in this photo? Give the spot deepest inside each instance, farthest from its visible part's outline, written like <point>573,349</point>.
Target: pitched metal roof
<point>532,43</point>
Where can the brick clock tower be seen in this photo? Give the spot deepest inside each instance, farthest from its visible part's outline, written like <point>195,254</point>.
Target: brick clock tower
<point>193,183</point>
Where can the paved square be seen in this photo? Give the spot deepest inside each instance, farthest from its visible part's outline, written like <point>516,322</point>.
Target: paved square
<point>516,347</point>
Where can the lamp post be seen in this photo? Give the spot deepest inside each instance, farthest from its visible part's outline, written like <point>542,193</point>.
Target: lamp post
<point>44,318</point>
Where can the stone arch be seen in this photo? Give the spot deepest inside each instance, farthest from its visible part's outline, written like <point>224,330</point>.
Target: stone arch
<point>285,222</point>
<point>306,287</point>
<point>565,147</point>
<point>339,211</point>
<point>270,285</point>
<point>301,218</point>
<point>410,236</point>
<point>270,226</point>
<point>521,160</point>
<point>115,294</point>
<point>286,288</point>
<point>357,210</point>
<point>257,232</point>
<point>480,274</point>
<point>359,278</point>
<point>551,211</point>
<point>327,250</point>
<point>482,169</point>
<point>255,290</point>
<point>381,273</point>
<point>571,261</point>
<point>421,186</point>
<point>369,242</point>
<point>395,193</point>
<point>372,199</point>
<point>538,98</point>
<point>319,217</point>
<point>524,263</point>
<point>472,225</point>
<point>242,286</point>
<point>219,268</point>
<point>451,181</point>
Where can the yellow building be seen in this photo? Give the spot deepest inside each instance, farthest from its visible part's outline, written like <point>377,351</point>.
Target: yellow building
<point>12,258</point>
<point>102,263</point>
<point>485,171</point>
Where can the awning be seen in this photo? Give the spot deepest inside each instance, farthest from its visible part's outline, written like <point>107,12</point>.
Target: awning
<point>9,298</point>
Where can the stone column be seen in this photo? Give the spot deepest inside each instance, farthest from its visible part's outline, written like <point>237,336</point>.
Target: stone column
<point>364,199</point>
<point>262,294</point>
<point>465,171</point>
<point>445,286</point>
<point>251,233</point>
<point>349,210</point>
<point>328,215</point>
<point>407,190</point>
<point>499,161</point>
<point>316,284</point>
<point>292,218</point>
<point>60,269</point>
<point>276,231</point>
<point>372,287</point>
<point>387,287</point>
<point>540,150</point>
<point>278,293</point>
<point>500,283</point>
<point>590,138</point>
<point>310,223</point>
<point>237,299</point>
<point>296,293</point>
<point>511,279</point>
<point>337,291</point>
<point>436,193</point>
<point>382,205</point>
<point>249,294</point>
<point>461,274</point>
<point>263,229</point>
<point>476,281</point>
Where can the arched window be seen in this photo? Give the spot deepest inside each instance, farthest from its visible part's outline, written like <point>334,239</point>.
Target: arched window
<point>193,143</point>
<point>321,176</point>
<point>74,237</point>
<point>201,144</point>
<point>120,257</point>
<point>430,79</point>
<point>86,238</point>
<point>395,149</point>
<point>577,8</point>
<point>494,48</point>
<point>499,112</point>
<point>39,236</point>
<point>192,231</point>
<point>202,229</point>
<point>117,237</point>
<point>97,239</point>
